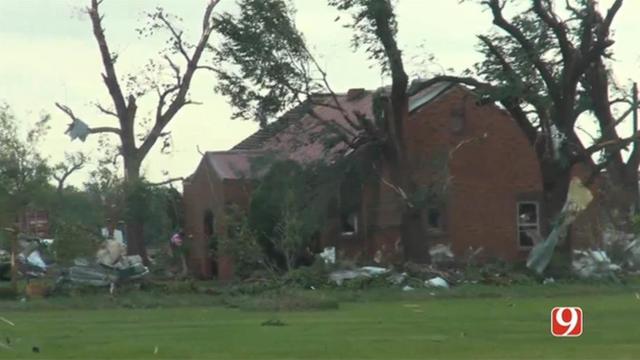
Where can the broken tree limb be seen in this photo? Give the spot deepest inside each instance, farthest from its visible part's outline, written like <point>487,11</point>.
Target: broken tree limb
<point>578,198</point>
<point>168,181</point>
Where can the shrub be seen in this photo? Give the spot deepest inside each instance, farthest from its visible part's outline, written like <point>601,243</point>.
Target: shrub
<point>72,241</point>
<point>314,276</point>
<point>241,243</point>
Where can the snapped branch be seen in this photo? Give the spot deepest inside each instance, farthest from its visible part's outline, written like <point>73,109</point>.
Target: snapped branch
<point>96,130</point>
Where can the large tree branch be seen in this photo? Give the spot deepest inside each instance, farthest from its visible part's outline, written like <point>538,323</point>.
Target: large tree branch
<point>106,111</point>
<point>592,50</point>
<point>177,36</point>
<point>558,27</point>
<point>534,57</point>
<point>96,130</point>
<point>634,159</point>
<point>611,14</point>
<point>164,116</point>
<point>168,181</point>
<point>64,171</point>
<point>110,78</point>
<point>612,145</point>
<point>382,18</point>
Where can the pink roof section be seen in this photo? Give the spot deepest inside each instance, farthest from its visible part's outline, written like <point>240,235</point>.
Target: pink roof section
<point>234,164</point>
<point>303,136</point>
<point>305,140</point>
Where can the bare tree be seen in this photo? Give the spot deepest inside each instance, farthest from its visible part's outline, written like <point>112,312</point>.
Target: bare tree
<point>64,169</point>
<point>172,97</point>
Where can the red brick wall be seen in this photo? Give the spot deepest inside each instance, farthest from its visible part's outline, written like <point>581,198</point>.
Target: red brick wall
<point>491,167</point>
<point>205,192</point>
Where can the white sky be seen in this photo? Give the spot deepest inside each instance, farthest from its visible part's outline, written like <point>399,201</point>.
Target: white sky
<point>49,54</point>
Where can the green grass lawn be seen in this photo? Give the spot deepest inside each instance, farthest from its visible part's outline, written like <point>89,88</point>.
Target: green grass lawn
<point>416,326</point>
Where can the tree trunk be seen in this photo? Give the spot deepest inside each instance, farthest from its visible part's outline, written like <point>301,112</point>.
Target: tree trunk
<point>413,233</point>
<point>622,198</point>
<point>133,222</point>
<point>555,186</point>
<point>555,191</point>
<point>414,237</point>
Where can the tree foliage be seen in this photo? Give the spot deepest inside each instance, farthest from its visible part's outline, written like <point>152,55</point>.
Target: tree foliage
<point>264,63</point>
<point>23,171</point>
<point>286,211</point>
<point>367,33</point>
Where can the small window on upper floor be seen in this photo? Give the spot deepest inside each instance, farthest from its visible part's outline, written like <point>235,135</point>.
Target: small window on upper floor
<point>528,223</point>
<point>458,117</point>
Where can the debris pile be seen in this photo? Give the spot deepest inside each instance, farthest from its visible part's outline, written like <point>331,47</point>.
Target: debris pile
<point>111,266</point>
<point>340,276</point>
<point>29,259</point>
<point>441,254</point>
<point>407,281</point>
<point>593,264</point>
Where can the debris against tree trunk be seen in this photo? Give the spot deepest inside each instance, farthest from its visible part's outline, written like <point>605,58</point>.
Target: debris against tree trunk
<point>578,198</point>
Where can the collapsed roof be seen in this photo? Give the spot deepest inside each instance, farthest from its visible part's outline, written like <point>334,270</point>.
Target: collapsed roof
<point>308,132</point>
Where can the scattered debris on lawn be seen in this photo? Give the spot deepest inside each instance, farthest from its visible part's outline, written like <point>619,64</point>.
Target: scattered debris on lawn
<point>273,322</point>
<point>338,277</point>
<point>329,255</point>
<point>5,320</point>
<point>127,268</point>
<point>397,278</point>
<point>111,266</point>
<point>441,254</point>
<point>437,282</point>
<point>593,264</point>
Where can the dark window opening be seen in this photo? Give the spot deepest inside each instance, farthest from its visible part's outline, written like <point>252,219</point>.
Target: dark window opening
<point>209,223</point>
<point>349,223</point>
<point>435,218</point>
<point>528,223</point>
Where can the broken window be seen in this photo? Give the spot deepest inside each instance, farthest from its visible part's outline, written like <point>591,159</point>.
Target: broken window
<point>528,223</point>
<point>349,223</point>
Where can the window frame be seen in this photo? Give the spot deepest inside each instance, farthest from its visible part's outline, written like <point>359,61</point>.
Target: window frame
<point>355,225</point>
<point>526,225</point>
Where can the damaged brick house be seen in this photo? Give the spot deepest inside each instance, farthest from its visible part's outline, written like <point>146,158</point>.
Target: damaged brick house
<point>491,199</point>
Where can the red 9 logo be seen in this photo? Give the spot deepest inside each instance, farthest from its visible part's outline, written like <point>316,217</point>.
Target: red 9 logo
<point>566,321</point>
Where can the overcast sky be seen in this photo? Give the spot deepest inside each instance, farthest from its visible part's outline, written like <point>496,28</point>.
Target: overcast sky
<point>49,54</point>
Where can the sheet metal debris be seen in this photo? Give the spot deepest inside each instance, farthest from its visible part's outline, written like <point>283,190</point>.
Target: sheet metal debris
<point>338,277</point>
<point>111,266</point>
<point>329,255</point>
<point>593,264</point>
<point>578,198</point>
<point>437,282</point>
<point>441,253</point>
